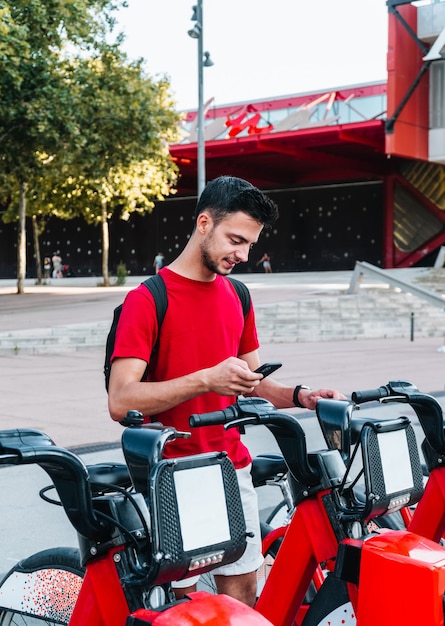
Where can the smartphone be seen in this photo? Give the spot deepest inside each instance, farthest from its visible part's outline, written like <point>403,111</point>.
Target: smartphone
<point>267,368</point>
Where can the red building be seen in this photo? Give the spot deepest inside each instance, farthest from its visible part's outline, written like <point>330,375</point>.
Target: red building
<point>358,171</point>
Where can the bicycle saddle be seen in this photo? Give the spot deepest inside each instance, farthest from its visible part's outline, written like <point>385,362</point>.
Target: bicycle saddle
<point>265,467</point>
<point>103,476</point>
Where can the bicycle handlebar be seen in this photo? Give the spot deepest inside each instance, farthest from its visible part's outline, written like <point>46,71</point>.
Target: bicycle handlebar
<point>426,407</point>
<point>235,411</point>
<point>285,427</point>
<point>393,389</point>
<point>142,446</point>
<point>67,471</point>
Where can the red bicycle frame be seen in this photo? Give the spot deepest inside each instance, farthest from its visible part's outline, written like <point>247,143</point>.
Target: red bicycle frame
<point>102,602</point>
<point>130,544</point>
<point>314,534</point>
<point>308,541</point>
<point>428,518</point>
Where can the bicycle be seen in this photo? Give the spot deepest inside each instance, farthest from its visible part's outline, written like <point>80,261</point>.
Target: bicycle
<point>132,542</point>
<point>322,493</point>
<point>268,469</point>
<point>428,517</point>
<point>329,525</point>
<point>271,470</point>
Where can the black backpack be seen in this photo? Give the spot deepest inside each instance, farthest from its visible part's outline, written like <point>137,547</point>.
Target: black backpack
<point>156,286</point>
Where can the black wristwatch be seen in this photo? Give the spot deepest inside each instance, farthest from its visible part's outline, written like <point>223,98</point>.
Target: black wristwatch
<point>295,396</point>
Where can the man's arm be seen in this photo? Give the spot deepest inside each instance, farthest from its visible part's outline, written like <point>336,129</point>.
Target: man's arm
<point>282,396</point>
<point>231,377</point>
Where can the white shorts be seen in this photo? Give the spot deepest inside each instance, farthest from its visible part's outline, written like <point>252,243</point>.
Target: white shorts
<point>252,557</point>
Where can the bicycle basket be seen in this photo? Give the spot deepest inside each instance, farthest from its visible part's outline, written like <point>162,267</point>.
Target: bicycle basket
<point>197,517</point>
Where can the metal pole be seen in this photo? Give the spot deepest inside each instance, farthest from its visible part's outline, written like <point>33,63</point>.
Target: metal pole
<point>201,144</point>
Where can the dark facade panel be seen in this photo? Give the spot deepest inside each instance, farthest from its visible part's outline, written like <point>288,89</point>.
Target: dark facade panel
<point>327,227</point>
<point>320,228</point>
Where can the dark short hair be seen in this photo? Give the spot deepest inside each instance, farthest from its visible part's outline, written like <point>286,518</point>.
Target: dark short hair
<point>229,194</point>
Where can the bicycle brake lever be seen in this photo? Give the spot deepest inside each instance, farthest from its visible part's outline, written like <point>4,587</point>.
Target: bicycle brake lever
<point>393,399</point>
<point>241,422</point>
<point>181,434</point>
<point>177,434</point>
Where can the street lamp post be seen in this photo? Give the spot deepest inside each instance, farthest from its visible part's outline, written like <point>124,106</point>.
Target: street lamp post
<point>204,60</point>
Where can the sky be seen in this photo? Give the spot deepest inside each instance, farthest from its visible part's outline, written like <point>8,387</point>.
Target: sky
<point>260,48</point>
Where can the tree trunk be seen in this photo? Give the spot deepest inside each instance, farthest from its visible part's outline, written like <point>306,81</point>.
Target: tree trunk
<point>21,240</point>
<point>36,233</point>
<point>105,244</point>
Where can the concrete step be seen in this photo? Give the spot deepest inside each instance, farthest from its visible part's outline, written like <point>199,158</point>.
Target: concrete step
<point>371,313</point>
<point>55,339</point>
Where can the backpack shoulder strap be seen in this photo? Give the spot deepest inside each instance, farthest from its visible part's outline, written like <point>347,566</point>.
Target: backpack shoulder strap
<point>243,294</point>
<point>157,288</point>
<point>155,284</point>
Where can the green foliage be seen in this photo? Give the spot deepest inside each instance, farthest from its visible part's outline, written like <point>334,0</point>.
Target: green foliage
<point>36,104</point>
<point>120,158</point>
<point>82,129</point>
<point>14,48</point>
<point>121,274</point>
<point>79,128</point>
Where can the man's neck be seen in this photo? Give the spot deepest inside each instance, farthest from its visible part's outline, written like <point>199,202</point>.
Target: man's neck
<point>189,265</point>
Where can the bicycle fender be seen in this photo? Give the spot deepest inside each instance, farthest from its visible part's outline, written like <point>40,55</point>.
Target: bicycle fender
<point>405,571</point>
<point>45,584</point>
<point>203,609</point>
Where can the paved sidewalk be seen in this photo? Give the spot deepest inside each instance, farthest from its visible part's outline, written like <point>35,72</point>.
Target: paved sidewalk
<point>78,300</point>
<point>64,394</point>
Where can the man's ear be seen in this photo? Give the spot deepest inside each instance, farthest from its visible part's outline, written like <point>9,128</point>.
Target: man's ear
<point>204,222</point>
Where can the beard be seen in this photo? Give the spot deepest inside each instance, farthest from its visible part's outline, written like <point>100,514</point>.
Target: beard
<point>208,260</point>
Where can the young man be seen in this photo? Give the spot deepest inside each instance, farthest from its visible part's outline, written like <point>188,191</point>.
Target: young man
<point>207,352</point>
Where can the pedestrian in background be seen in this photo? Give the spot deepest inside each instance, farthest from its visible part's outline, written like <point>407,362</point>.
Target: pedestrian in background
<point>265,260</point>
<point>158,262</point>
<point>57,265</point>
<point>46,267</point>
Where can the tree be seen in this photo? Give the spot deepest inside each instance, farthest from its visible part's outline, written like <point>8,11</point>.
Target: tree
<point>37,107</point>
<point>119,162</point>
<point>123,161</point>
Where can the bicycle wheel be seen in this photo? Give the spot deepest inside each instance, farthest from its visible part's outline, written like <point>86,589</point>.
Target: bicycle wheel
<point>277,515</point>
<point>269,557</point>
<point>331,606</point>
<point>41,589</point>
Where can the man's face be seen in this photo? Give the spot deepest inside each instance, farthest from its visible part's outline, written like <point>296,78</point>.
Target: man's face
<point>229,243</point>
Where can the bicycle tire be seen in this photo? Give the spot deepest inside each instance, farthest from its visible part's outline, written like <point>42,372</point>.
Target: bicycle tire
<point>41,589</point>
<point>331,606</point>
<point>269,556</point>
<point>274,513</point>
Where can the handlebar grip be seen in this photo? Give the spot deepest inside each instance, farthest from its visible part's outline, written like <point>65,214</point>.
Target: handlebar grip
<point>214,418</point>
<point>369,395</point>
<point>207,419</point>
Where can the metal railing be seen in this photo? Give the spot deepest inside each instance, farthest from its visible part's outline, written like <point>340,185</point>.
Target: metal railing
<point>440,259</point>
<point>362,267</point>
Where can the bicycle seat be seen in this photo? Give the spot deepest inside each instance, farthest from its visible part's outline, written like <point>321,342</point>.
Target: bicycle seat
<point>265,467</point>
<point>103,476</point>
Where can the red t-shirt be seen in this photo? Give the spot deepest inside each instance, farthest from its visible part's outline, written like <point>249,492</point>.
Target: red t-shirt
<point>203,325</point>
